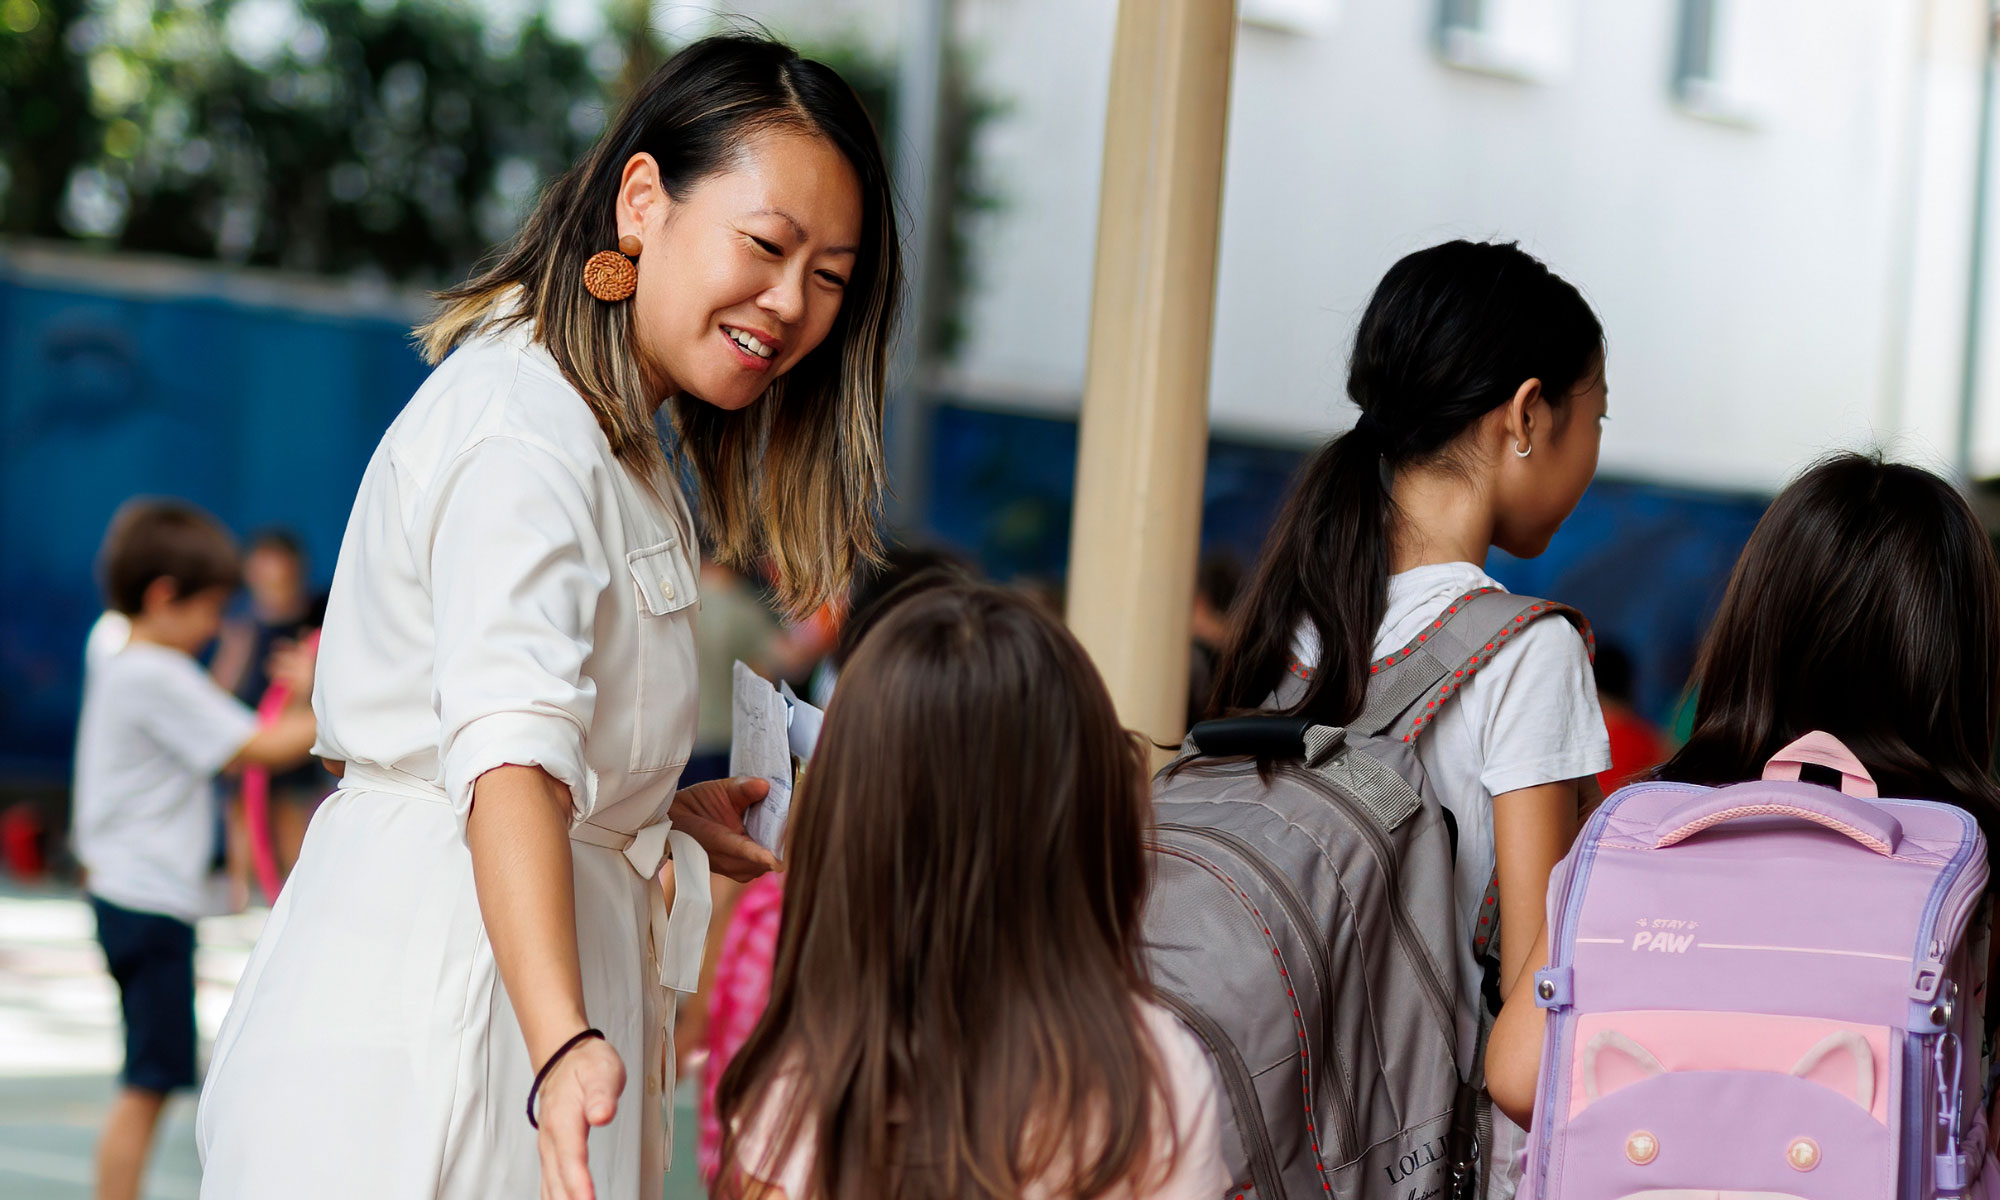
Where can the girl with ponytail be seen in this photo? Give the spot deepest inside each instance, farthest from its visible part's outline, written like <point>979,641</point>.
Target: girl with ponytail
<point>1480,378</point>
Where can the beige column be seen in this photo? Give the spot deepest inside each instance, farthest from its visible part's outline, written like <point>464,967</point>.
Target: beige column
<point>1144,435</point>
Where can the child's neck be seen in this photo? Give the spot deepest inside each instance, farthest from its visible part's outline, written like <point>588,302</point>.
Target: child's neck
<point>151,633</point>
<point>1444,519</point>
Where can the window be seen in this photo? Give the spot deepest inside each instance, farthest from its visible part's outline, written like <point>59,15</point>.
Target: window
<point>1695,59</point>
<point>1527,40</point>
<point>1466,15</point>
<point>1706,84</point>
<point>1290,16</point>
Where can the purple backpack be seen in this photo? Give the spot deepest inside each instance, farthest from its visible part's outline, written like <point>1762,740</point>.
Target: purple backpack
<point>1767,990</point>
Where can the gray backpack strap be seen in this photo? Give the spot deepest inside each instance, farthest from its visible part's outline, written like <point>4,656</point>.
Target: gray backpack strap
<point>1381,789</point>
<point>1410,685</point>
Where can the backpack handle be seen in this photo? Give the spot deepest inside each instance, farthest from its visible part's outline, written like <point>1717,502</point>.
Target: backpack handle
<point>1823,750</point>
<point>1849,815</point>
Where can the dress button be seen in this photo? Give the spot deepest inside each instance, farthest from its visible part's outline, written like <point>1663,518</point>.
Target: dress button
<point>1803,1154</point>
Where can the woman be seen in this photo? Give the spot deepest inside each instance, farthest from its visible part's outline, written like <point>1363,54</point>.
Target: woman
<point>507,671</point>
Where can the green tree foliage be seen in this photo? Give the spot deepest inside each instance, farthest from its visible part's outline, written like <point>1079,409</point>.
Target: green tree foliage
<point>398,138</point>
<point>395,138</point>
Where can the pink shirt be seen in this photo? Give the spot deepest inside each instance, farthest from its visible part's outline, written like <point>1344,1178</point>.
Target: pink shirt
<point>1198,1172</point>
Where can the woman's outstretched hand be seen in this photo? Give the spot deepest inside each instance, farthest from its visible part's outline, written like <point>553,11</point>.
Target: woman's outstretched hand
<point>712,814</point>
<point>580,1093</point>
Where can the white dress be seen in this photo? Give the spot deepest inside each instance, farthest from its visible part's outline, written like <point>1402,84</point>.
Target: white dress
<point>507,592</point>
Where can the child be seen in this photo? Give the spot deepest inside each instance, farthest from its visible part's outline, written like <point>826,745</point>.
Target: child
<point>154,731</point>
<point>958,1008</point>
<point>1866,605</point>
<point>1480,378</point>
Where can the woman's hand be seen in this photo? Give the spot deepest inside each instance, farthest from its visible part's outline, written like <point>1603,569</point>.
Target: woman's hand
<point>581,1092</point>
<point>712,814</point>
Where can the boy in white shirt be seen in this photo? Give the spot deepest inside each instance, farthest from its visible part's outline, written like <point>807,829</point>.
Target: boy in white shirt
<point>154,731</point>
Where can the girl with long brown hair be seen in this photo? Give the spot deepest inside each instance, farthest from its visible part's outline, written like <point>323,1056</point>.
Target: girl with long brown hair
<point>464,990</point>
<point>959,1010</point>
<point>1865,605</point>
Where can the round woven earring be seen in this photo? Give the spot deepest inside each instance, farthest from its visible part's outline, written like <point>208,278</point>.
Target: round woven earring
<point>610,275</point>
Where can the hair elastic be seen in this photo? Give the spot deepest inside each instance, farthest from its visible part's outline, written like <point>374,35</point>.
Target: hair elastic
<point>535,1088</point>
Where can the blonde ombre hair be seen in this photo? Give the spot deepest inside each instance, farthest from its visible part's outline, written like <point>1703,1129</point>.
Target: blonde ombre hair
<point>798,476</point>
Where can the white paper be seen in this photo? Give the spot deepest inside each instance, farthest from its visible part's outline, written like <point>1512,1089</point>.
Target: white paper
<point>760,748</point>
<point>805,723</point>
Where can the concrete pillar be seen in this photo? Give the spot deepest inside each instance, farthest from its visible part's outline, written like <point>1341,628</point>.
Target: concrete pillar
<point>1144,434</point>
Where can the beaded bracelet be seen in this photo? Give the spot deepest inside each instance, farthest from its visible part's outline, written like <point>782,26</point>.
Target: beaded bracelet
<point>535,1088</point>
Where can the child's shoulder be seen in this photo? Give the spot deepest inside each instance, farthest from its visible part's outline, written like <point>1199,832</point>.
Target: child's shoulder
<point>144,678</point>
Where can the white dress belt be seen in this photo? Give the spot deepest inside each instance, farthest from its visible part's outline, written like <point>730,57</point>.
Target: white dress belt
<point>677,938</point>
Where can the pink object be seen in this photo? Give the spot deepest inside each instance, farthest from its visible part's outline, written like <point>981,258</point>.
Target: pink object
<point>1824,750</point>
<point>1852,818</point>
<point>742,989</point>
<point>257,790</point>
<point>1764,989</point>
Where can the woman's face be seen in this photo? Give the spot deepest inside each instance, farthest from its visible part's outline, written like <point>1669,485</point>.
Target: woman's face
<point>743,275</point>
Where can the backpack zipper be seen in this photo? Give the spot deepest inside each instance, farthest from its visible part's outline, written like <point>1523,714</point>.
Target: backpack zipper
<point>1301,918</point>
<point>1242,1094</point>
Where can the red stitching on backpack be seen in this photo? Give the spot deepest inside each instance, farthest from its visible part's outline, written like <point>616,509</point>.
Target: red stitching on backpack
<point>1305,1049</point>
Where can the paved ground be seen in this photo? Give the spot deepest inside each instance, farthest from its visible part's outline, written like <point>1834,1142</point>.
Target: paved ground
<point>60,1048</point>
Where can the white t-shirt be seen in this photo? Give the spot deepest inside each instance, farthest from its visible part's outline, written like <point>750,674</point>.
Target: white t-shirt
<point>155,729</point>
<point>1529,717</point>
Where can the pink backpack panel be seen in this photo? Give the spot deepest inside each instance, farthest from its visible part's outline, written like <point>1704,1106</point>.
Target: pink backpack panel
<point>1763,990</point>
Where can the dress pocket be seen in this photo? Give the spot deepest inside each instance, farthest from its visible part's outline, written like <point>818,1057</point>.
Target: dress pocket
<point>664,707</point>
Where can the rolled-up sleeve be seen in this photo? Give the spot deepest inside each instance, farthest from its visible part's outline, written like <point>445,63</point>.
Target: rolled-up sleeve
<point>516,571</point>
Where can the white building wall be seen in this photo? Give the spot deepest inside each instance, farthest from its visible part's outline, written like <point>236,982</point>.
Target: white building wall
<point>1782,272</point>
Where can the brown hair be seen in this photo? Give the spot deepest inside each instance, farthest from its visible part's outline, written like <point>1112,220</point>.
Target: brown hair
<point>799,474</point>
<point>1867,605</point>
<point>164,539</point>
<point>953,1011</point>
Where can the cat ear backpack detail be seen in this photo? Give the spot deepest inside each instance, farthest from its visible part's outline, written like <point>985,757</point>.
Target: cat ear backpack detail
<point>1768,991</point>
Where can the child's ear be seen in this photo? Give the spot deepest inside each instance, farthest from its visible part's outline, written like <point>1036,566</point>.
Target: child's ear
<point>158,594</point>
<point>1528,417</point>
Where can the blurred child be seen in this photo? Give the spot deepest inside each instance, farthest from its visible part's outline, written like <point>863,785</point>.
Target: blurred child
<point>154,731</point>
<point>283,613</point>
<point>1636,747</point>
<point>959,1007</point>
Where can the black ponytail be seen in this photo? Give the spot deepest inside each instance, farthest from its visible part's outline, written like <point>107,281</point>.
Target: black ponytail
<point>1450,334</point>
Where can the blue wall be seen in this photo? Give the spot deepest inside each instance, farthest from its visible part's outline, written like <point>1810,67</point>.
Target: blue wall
<point>1646,563</point>
<point>267,416</point>
<point>262,415</point>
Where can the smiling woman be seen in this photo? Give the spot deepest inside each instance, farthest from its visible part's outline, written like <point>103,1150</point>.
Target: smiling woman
<point>761,207</point>
<point>507,666</point>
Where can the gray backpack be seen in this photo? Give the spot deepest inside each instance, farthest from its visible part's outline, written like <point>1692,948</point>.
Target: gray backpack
<point>1303,929</point>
